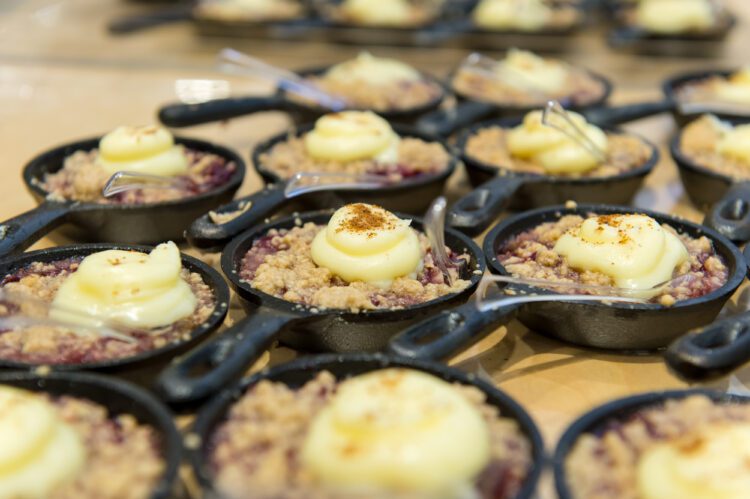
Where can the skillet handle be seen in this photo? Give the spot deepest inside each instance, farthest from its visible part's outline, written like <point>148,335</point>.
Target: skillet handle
<point>450,331</point>
<point>712,351</point>
<point>474,212</point>
<point>208,368</point>
<point>609,116</point>
<point>443,122</point>
<point>203,233</point>
<point>139,22</point>
<point>181,115</point>
<point>730,216</point>
<point>18,233</point>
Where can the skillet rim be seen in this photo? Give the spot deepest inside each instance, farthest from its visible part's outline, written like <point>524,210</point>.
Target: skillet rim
<point>210,276</point>
<point>215,410</point>
<point>734,279</point>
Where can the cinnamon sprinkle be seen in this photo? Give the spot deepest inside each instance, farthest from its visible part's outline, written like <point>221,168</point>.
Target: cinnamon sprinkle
<point>367,218</point>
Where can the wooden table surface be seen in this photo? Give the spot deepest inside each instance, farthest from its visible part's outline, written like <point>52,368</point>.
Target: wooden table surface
<point>62,77</point>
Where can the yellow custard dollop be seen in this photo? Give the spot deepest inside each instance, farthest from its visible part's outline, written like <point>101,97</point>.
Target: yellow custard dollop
<point>634,250</point>
<point>351,136</point>
<point>675,16</point>
<point>736,88</point>
<point>367,243</point>
<point>142,149</point>
<point>372,71</point>
<point>379,12</point>
<point>126,287</point>
<point>712,462</point>
<point>527,71</point>
<point>734,142</point>
<point>529,15</point>
<point>38,451</point>
<point>552,149</point>
<point>397,430</point>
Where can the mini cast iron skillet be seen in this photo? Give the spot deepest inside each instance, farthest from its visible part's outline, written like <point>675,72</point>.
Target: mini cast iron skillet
<point>616,326</point>
<point>601,418</point>
<point>182,115</point>
<point>139,367</point>
<point>477,210</point>
<point>119,397</point>
<point>119,223</point>
<point>412,195</point>
<point>300,371</point>
<point>271,318</point>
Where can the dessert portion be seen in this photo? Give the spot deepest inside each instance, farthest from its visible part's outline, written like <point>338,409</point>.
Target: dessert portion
<point>66,447</point>
<point>365,258</point>
<point>523,79</point>
<point>731,89</point>
<point>673,17</point>
<point>717,146</point>
<point>355,142</point>
<point>396,433</point>
<point>144,149</point>
<point>149,299</point>
<point>385,13</point>
<point>250,10</point>
<point>689,449</point>
<point>525,15</point>
<point>539,148</point>
<point>630,251</point>
<point>378,83</point>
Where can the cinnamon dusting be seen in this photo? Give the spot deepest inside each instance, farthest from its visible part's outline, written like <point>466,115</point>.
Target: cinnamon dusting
<point>367,218</point>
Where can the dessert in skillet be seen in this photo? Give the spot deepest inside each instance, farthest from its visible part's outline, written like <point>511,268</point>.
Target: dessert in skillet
<point>523,78</point>
<point>688,449</point>
<point>718,146</point>
<point>392,433</point>
<point>385,13</point>
<point>250,10</point>
<point>70,448</point>
<point>534,147</point>
<point>525,15</point>
<point>366,258</point>
<point>629,251</point>
<point>144,149</point>
<point>151,298</point>
<point>731,89</point>
<point>673,17</point>
<point>355,142</point>
<point>378,83</point>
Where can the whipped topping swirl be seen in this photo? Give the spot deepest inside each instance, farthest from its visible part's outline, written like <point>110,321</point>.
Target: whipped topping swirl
<point>351,136</point>
<point>373,71</point>
<point>142,149</point>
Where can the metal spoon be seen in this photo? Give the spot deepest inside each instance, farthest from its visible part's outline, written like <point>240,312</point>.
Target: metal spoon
<point>127,181</point>
<point>434,226</point>
<point>574,132</point>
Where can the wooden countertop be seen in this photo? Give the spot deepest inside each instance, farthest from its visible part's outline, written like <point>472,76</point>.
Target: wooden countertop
<point>62,77</point>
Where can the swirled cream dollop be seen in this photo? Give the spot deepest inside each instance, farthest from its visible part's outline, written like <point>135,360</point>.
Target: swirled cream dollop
<point>397,430</point>
<point>527,71</point>
<point>552,149</point>
<point>367,243</point>
<point>126,287</point>
<point>530,15</point>
<point>736,88</point>
<point>39,451</point>
<point>712,462</point>
<point>734,142</point>
<point>351,136</point>
<point>675,16</point>
<point>372,71</point>
<point>634,250</point>
<point>142,149</point>
<point>380,12</point>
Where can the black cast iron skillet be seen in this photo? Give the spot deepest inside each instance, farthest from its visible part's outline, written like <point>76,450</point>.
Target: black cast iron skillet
<point>411,195</point>
<point>600,419</point>
<point>139,367</point>
<point>116,223</point>
<point>182,115</point>
<point>499,188</point>
<point>119,397</point>
<point>616,326</point>
<point>304,328</point>
<point>298,372</point>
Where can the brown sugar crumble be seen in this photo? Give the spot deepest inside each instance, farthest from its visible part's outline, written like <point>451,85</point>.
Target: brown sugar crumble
<point>698,143</point>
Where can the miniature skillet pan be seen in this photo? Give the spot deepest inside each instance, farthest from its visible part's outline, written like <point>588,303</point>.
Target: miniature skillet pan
<point>499,188</point>
<point>271,318</point>
<point>412,195</point>
<point>120,223</point>
<point>183,115</point>
<point>602,418</point>
<point>119,397</point>
<point>616,326</point>
<point>141,366</point>
<point>298,372</point>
